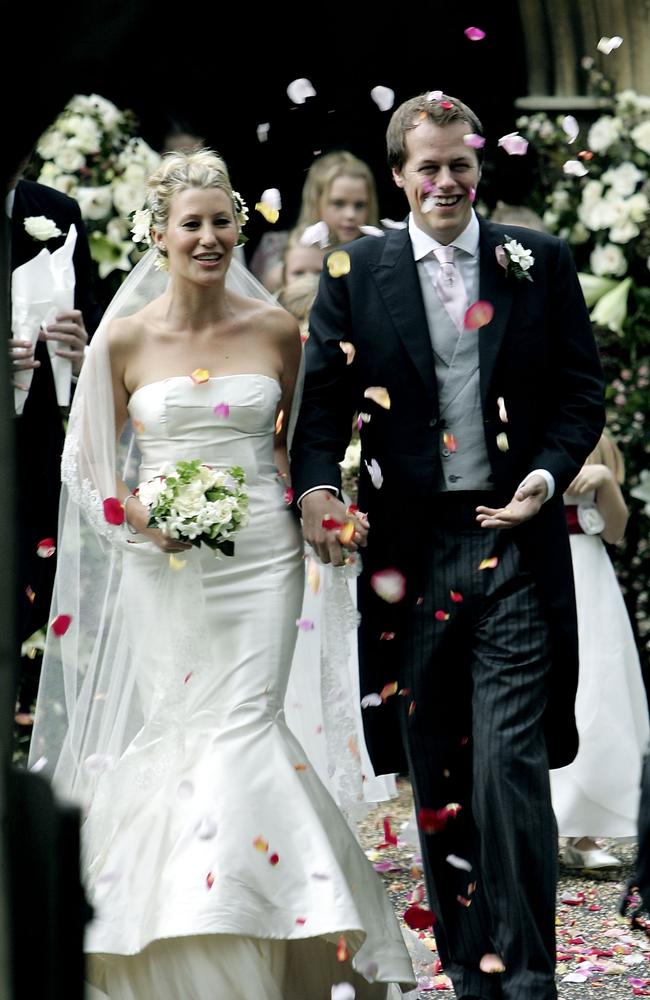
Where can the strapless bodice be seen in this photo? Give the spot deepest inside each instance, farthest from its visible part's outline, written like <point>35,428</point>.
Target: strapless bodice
<point>228,420</point>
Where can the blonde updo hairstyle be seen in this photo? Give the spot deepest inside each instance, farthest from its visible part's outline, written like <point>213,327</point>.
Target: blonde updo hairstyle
<point>179,171</point>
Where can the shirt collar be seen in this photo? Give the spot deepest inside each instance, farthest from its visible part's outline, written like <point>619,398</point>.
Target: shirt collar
<point>423,244</point>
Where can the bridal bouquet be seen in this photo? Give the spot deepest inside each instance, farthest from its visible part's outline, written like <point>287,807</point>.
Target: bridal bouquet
<point>197,503</point>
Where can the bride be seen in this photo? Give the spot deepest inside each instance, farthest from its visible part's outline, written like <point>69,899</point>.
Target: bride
<point>215,861</point>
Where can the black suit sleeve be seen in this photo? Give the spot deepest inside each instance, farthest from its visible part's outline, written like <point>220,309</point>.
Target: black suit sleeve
<point>576,413</point>
<point>328,404</point>
<point>84,294</point>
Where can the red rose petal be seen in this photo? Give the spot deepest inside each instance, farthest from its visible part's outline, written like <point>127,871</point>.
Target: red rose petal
<point>456,597</point>
<point>342,953</point>
<point>45,548</point>
<point>273,859</point>
<point>331,524</point>
<point>418,918</point>
<point>113,511</point>
<point>441,616</point>
<point>209,880</point>
<point>60,624</point>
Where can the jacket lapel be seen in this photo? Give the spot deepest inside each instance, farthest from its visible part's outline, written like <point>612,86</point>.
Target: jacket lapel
<point>397,279</point>
<point>497,288</point>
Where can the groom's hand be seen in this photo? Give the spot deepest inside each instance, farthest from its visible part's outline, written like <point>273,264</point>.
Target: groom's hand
<point>526,502</point>
<point>319,506</point>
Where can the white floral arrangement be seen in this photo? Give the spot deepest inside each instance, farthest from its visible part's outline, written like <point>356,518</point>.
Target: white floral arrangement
<point>515,258</point>
<point>39,227</point>
<point>197,503</point>
<point>92,154</point>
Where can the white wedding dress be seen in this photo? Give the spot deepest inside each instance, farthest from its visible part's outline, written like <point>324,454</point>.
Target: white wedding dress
<point>598,794</point>
<point>217,864</point>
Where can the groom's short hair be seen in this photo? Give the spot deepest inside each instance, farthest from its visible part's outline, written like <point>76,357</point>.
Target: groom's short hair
<point>439,110</point>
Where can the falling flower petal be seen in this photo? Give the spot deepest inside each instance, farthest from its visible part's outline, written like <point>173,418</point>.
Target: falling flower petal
<point>263,131</point>
<point>502,441</point>
<point>387,636</point>
<point>489,563</point>
<point>441,616</point>
<point>299,90</point>
<point>449,442</point>
<point>479,314</point>
<point>60,624</point>
<point>383,97</point>
<point>267,211</point>
<point>200,375</point>
<point>586,154</point>
<point>261,845</point>
<point>301,921</point>
<point>456,862</point>
<point>189,674</point>
<point>349,350</point>
<point>175,563</point>
<point>456,597</point>
<point>372,231</point>
<point>31,594</point>
<point>343,991</point>
<point>435,820</point>
<point>474,140</point>
<point>371,700</point>
<point>316,233</point>
<point>338,263</point>
<point>305,624</point>
<point>389,836</point>
<point>300,767</point>
<point>474,34</point>
<point>113,510</point>
<point>503,413</point>
<point>45,548</point>
<point>206,828</point>
<point>607,45</point>
<point>363,418</point>
<point>570,128</point>
<point>389,585</point>
<point>389,690</point>
<point>274,859</point>
<point>221,410</point>
<point>331,524</point>
<point>472,195</point>
<point>272,198</point>
<point>574,168</point>
<point>374,471</point>
<point>418,918</point>
<point>393,224</point>
<point>279,422</point>
<point>289,495</point>
<point>379,395</point>
<point>434,95</point>
<point>313,576</point>
<point>346,534</point>
<point>209,880</point>
<point>138,426</point>
<point>342,953</point>
<point>38,765</point>
<point>501,256</point>
<point>447,105</point>
<point>514,144</point>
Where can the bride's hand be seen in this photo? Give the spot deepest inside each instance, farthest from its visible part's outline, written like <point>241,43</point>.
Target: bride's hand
<point>165,543</point>
<point>137,516</point>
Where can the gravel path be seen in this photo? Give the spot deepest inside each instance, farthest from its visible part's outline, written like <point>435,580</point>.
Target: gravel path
<point>599,957</point>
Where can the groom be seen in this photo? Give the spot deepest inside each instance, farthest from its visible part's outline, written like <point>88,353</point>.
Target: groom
<point>472,426</point>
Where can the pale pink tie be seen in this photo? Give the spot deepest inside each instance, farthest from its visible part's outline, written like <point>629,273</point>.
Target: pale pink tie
<point>450,287</point>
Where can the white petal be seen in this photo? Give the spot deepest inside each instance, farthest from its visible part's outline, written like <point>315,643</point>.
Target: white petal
<point>434,95</point>
<point>392,224</point>
<point>383,97</point>
<point>272,198</point>
<point>299,90</point>
<point>570,128</point>
<point>318,233</point>
<point>263,131</point>
<point>371,230</point>
<point>575,168</point>
<point>607,45</point>
<point>371,700</point>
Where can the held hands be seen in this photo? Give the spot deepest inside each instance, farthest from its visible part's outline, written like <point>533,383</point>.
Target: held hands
<point>590,477</point>
<point>526,502</point>
<point>70,331</point>
<point>21,358</point>
<point>321,505</point>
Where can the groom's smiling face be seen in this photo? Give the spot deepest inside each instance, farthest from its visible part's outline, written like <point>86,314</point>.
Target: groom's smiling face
<point>439,177</point>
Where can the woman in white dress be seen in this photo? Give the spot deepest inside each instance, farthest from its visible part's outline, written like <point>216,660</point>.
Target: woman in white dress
<point>598,794</point>
<point>216,862</point>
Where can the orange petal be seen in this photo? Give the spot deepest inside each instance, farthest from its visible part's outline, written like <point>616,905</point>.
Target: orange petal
<point>31,594</point>
<point>342,953</point>
<point>200,375</point>
<point>489,563</point>
<point>138,426</point>
<point>338,263</point>
<point>449,441</point>
<point>300,767</point>
<point>260,844</point>
<point>388,690</point>
<point>379,395</point>
<point>349,350</point>
<point>313,576</point>
<point>279,422</point>
<point>346,534</point>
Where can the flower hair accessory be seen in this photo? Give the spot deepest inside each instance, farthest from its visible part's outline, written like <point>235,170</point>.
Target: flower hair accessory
<point>241,211</point>
<point>141,228</point>
<point>515,259</point>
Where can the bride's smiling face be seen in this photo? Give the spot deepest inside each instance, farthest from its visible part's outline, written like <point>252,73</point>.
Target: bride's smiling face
<point>200,235</point>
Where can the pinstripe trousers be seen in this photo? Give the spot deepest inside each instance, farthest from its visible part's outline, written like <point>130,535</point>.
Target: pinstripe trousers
<point>475,662</point>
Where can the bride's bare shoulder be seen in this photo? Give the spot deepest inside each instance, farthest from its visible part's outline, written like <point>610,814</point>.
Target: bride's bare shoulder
<point>125,332</point>
<point>270,318</point>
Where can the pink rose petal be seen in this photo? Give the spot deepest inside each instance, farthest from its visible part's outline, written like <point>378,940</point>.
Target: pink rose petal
<point>474,140</point>
<point>389,585</point>
<point>221,410</point>
<point>474,34</point>
<point>479,314</point>
<point>514,144</point>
